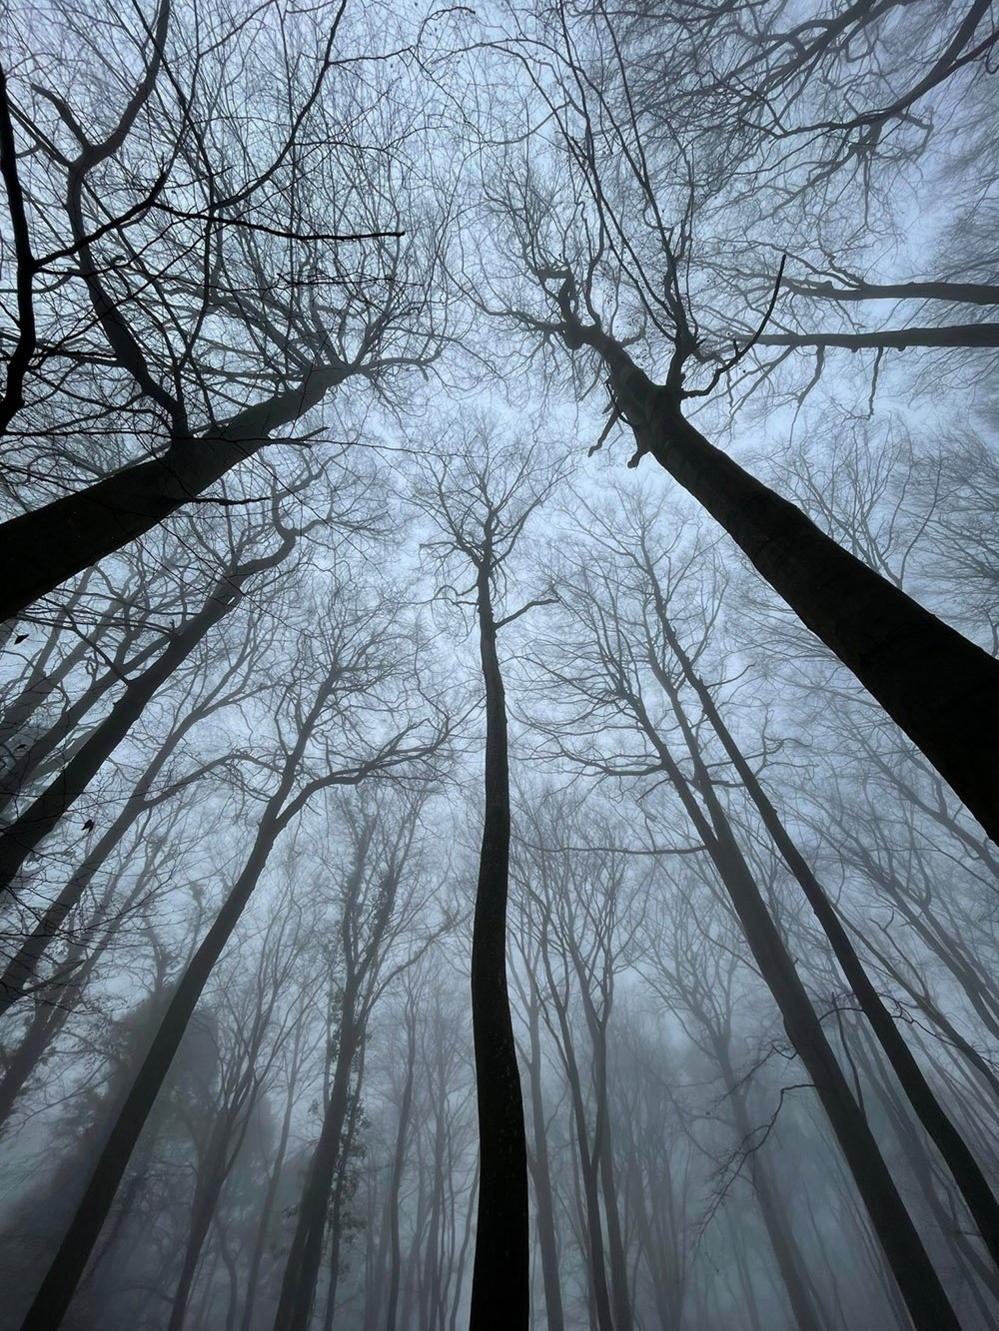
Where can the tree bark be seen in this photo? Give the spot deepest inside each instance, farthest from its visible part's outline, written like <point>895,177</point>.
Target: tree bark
<point>501,1271</point>
<point>962,293</point>
<point>891,339</point>
<point>298,1287</point>
<point>941,689</point>
<point>41,549</point>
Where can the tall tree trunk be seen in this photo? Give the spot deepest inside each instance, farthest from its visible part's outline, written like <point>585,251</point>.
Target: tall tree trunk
<point>782,1241</point>
<point>888,339</point>
<point>964,1168</point>
<point>270,1196</point>
<point>544,1199</point>
<point>41,549</point>
<point>395,1181</point>
<point>501,1273</point>
<point>206,1196</point>
<point>603,1154</point>
<point>588,1164</point>
<point>339,1189</point>
<point>940,688</point>
<point>975,1266</point>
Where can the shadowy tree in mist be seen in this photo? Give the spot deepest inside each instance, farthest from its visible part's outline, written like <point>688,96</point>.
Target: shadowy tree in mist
<point>605,258</point>
<point>350,660</point>
<point>378,906</point>
<point>609,672</point>
<point>481,496</point>
<point>217,303</point>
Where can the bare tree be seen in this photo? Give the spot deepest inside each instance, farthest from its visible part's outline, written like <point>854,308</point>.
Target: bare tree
<point>480,500</point>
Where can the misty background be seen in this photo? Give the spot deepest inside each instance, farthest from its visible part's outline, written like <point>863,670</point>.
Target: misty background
<point>372,379</point>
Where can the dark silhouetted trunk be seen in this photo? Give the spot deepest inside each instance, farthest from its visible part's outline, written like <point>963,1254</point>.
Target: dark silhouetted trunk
<point>785,1248</point>
<point>273,1182</point>
<point>339,1196</point>
<point>41,549</point>
<point>962,293</point>
<point>940,688</point>
<point>892,339</point>
<point>298,1288</point>
<point>501,1271</point>
<point>207,1191</point>
<point>21,969</point>
<point>61,1280</point>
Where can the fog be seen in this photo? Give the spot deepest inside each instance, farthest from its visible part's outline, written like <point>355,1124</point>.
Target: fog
<point>499,719</point>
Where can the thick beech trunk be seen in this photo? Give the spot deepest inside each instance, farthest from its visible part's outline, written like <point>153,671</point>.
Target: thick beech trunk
<point>941,689</point>
<point>41,549</point>
<point>501,1272</point>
